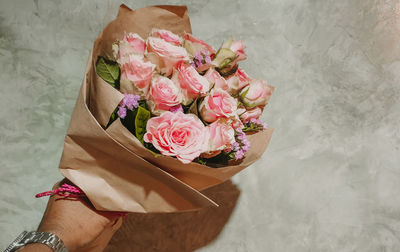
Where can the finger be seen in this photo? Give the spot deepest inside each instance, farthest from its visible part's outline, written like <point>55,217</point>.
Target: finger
<point>117,224</point>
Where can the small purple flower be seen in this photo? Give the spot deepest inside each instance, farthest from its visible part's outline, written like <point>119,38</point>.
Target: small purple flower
<point>196,63</point>
<point>177,108</point>
<point>121,112</point>
<point>265,126</point>
<point>198,57</point>
<point>246,145</point>
<point>235,146</point>
<point>246,142</point>
<point>131,101</point>
<point>239,154</point>
<point>241,137</point>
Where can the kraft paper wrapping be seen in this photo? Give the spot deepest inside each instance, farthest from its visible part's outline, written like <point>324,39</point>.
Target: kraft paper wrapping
<point>110,165</point>
<point>179,231</point>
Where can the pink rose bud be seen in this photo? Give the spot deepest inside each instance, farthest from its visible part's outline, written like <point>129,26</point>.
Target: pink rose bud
<point>257,93</point>
<point>254,113</point>
<point>138,72</point>
<point>163,95</point>
<point>132,43</point>
<point>216,79</point>
<point>191,82</point>
<point>230,53</point>
<point>136,42</point>
<point>222,135</point>
<point>238,48</point>
<point>169,55</point>
<point>200,52</point>
<point>218,104</point>
<point>168,36</point>
<point>238,81</point>
<point>177,134</point>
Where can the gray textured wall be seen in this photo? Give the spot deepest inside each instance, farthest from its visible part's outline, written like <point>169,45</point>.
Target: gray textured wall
<point>330,180</point>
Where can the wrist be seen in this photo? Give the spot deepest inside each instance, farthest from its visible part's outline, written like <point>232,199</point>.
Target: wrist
<point>70,241</point>
<point>35,247</point>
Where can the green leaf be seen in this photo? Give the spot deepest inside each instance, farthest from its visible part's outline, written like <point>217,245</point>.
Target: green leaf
<point>143,103</point>
<point>200,161</point>
<point>217,161</point>
<point>108,70</point>
<point>252,127</point>
<point>129,120</point>
<point>142,116</point>
<point>113,117</point>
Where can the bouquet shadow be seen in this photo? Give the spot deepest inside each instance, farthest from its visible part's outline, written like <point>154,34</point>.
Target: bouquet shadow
<point>182,231</point>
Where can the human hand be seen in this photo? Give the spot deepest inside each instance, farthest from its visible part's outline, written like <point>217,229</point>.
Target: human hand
<point>78,224</point>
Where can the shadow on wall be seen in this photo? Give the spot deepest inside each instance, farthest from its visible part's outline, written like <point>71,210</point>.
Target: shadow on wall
<point>177,231</point>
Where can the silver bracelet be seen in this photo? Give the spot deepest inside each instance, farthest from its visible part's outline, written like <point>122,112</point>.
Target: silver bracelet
<point>49,239</point>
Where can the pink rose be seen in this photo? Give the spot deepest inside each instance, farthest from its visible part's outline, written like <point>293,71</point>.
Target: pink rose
<point>163,95</point>
<point>217,104</point>
<point>222,135</point>
<point>257,93</point>
<point>137,71</point>
<point>132,43</point>
<point>238,81</point>
<point>167,36</point>
<point>190,81</point>
<point>215,78</point>
<point>254,113</point>
<point>177,134</point>
<point>194,45</point>
<point>169,55</point>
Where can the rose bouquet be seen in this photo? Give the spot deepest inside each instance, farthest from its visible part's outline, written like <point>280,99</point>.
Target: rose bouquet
<point>161,115</point>
<point>185,99</point>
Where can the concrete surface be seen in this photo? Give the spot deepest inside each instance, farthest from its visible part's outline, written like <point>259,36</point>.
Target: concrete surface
<point>330,180</point>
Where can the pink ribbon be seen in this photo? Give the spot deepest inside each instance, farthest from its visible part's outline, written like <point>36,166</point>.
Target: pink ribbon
<point>65,191</point>
<point>69,191</point>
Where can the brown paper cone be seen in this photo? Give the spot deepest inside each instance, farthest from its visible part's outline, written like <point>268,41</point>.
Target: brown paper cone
<point>177,231</point>
<point>111,166</point>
